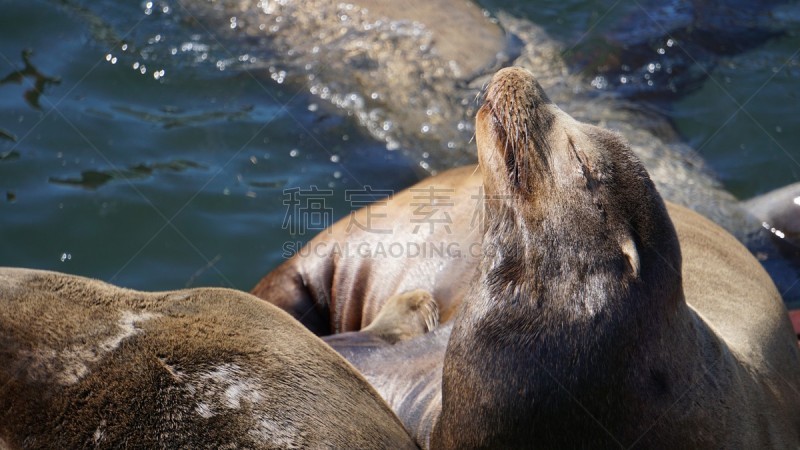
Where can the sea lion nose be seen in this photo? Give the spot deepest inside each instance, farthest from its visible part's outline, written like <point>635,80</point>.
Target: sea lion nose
<point>516,83</point>
<point>518,104</point>
<point>514,124</point>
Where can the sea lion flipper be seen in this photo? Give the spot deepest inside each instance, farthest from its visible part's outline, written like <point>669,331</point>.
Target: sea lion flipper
<point>405,316</point>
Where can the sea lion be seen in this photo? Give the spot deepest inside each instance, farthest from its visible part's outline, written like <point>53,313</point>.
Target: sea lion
<point>398,67</point>
<point>583,327</point>
<point>593,321</point>
<point>425,237</point>
<point>84,363</point>
<point>407,72</point>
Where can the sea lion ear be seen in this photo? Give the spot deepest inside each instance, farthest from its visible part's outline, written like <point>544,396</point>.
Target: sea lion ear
<point>628,247</point>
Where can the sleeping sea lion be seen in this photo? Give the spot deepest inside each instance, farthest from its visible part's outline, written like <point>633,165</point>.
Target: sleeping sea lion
<point>87,364</point>
<point>600,316</point>
<point>593,322</point>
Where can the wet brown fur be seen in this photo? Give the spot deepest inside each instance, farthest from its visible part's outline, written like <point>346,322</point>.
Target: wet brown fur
<point>87,364</point>
<point>405,316</point>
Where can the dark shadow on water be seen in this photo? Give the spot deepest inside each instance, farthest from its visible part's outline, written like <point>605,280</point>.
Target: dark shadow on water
<point>40,82</point>
<point>172,117</point>
<point>93,179</point>
<point>10,155</point>
<point>8,136</point>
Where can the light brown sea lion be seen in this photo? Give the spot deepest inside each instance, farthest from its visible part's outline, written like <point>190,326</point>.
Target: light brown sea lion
<point>583,327</point>
<point>87,364</point>
<point>425,237</point>
<point>594,322</point>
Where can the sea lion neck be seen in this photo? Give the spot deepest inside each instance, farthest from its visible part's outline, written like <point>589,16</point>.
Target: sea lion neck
<point>516,116</point>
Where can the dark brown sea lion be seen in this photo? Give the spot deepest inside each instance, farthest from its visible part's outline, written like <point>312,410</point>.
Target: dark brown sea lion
<point>593,321</point>
<point>586,327</point>
<point>87,364</point>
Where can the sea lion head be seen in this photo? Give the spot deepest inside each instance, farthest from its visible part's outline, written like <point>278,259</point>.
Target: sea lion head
<point>569,202</point>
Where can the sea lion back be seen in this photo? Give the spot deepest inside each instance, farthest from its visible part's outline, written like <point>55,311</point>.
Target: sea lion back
<point>85,363</point>
<point>735,296</point>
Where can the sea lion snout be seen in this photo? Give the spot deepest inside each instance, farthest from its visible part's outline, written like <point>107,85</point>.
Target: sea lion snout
<point>516,118</point>
<point>523,134</point>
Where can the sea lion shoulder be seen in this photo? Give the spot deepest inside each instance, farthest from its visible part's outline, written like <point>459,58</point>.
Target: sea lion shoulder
<point>724,283</point>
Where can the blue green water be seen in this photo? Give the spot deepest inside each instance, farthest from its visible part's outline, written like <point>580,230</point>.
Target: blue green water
<point>743,117</point>
<point>160,180</point>
<point>213,215</point>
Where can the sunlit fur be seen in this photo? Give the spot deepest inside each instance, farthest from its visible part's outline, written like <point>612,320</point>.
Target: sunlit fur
<point>87,364</point>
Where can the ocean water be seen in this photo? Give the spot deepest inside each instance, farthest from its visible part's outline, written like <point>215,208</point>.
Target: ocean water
<point>158,182</point>
<point>147,163</point>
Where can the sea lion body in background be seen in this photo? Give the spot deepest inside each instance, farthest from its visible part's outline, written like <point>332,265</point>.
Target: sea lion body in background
<point>340,280</point>
<point>401,318</point>
<point>84,363</point>
<point>779,212</point>
<point>581,330</point>
<point>398,67</point>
